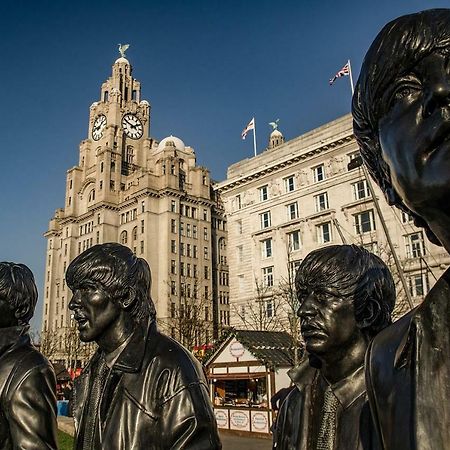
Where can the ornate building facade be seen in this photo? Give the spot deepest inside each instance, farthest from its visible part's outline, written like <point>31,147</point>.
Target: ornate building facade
<point>150,196</point>
<point>302,194</point>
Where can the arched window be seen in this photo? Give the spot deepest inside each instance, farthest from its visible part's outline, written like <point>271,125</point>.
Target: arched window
<point>130,154</point>
<point>134,234</point>
<point>91,197</point>
<point>123,237</point>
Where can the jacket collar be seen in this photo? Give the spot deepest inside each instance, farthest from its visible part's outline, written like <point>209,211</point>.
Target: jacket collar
<point>347,390</point>
<point>130,359</point>
<point>432,301</point>
<point>350,388</point>
<point>13,336</point>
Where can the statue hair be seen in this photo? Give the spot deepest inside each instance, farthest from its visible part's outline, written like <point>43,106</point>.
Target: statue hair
<point>399,46</point>
<point>353,273</point>
<point>18,288</point>
<point>118,271</point>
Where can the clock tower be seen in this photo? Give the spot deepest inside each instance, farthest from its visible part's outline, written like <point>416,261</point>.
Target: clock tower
<point>151,196</point>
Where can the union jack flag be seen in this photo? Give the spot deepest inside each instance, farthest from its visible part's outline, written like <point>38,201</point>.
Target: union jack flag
<point>344,72</point>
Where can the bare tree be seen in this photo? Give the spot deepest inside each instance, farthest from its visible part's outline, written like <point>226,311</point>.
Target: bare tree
<point>261,312</point>
<point>190,320</point>
<point>289,307</point>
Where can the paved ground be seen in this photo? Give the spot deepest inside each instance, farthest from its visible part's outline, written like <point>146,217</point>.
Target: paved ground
<point>229,441</point>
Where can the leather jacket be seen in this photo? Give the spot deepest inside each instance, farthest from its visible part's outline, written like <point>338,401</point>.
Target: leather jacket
<point>27,394</point>
<point>408,375</point>
<point>155,397</point>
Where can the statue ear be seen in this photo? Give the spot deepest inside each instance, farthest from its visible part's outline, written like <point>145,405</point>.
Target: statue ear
<point>128,299</point>
<point>370,314</point>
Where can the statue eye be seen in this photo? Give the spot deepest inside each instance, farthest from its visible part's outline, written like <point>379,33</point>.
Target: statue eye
<point>404,89</point>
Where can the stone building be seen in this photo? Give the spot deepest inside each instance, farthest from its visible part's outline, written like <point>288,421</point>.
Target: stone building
<point>300,195</point>
<point>150,196</point>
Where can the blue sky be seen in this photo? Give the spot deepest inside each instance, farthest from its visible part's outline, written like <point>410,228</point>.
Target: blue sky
<point>206,67</point>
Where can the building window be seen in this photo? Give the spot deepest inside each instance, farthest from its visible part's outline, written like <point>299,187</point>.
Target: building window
<point>267,273</point>
<point>194,251</point>
<point>323,233</point>
<point>238,202</point>
<point>123,237</point>
<point>360,190</point>
<point>269,309</point>
<point>364,222</point>
<point>265,219</point>
<point>318,173</point>
<point>188,250</point>
<point>418,285</point>
<point>294,240</point>
<point>134,233</point>
<point>142,247</point>
<point>240,252</point>
<point>182,248</point>
<point>205,233</point>
<point>351,157</point>
<point>266,248</point>
<point>415,247</point>
<point>205,214</point>
<point>188,230</point>
<point>194,231</point>
<point>263,193</point>
<point>173,246</point>
<point>292,211</point>
<point>239,226</point>
<point>407,218</point>
<point>173,288</point>
<point>321,202</point>
<point>205,252</point>
<point>289,184</point>
<point>173,225</point>
<point>173,206</point>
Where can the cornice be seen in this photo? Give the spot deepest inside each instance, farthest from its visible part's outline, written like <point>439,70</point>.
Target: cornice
<point>281,164</point>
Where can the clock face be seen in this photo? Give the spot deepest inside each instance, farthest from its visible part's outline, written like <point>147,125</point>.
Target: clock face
<point>132,126</point>
<point>98,127</point>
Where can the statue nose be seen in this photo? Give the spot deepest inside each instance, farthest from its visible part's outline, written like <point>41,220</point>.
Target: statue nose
<point>437,96</point>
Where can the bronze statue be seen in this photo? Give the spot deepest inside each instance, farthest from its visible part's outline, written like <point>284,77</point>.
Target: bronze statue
<point>346,296</point>
<point>401,111</point>
<point>27,380</point>
<point>141,390</point>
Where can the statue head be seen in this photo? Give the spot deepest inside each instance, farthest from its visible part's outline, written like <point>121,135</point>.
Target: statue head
<point>18,294</point>
<point>345,293</point>
<point>108,282</point>
<point>401,115</point>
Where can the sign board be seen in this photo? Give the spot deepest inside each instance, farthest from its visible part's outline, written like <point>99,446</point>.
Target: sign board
<point>222,418</point>
<point>260,421</point>
<point>239,420</point>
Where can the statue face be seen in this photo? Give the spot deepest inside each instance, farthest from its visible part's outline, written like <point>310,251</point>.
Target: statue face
<point>327,322</point>
<point>94,311</point>
<point>7,316</point>
<point>415,134</point>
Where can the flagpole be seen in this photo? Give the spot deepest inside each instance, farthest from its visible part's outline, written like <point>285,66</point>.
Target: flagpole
<point>351,78</point>
<point>254,135</point>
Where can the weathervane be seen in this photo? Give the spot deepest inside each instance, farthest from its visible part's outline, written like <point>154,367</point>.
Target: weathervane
<point>122,49</point>
<point>274,125</point>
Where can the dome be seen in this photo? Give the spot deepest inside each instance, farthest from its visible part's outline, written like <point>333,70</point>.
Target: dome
<point>144,103</point>
<point>121,60</point>
<point>275,133</point>
<point>177,142</point>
